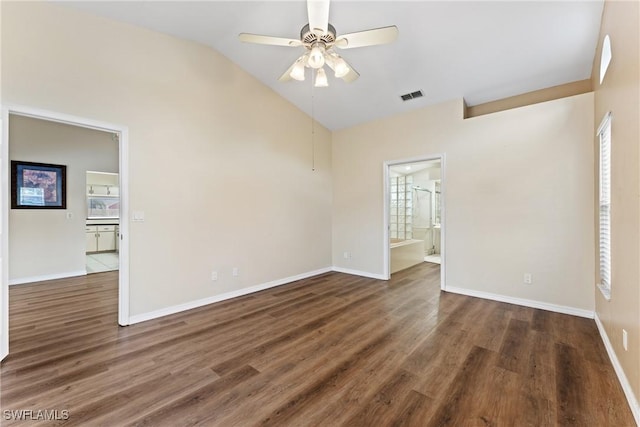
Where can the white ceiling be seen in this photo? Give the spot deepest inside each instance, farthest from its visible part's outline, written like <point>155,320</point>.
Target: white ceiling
<point>479,50</point>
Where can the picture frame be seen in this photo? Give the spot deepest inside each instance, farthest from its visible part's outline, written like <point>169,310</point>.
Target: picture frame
<point>38,185</point>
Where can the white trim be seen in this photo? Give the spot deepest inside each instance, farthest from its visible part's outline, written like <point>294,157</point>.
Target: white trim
<point>45,277</point>
<point>386,260</point>
<point>4,244</point>
<point>443,221</point>
<point>624,382</point>
<point>524,302</point>
<point>36,113</point>
<point>217,298</point>
<point>123,153</point>
<point>386,201</point>
<point>123,228</point>
<point>361,273</point>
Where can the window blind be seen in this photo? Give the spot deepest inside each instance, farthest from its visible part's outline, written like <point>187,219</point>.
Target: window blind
<point>604,135</point>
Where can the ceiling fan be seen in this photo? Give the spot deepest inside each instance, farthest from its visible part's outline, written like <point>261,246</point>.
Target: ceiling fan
<point>319,39</point>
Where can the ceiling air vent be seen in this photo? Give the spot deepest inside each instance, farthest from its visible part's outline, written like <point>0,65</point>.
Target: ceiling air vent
<point>412,95</point>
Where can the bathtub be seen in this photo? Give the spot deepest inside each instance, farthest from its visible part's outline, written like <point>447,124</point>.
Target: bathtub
<point>405,253</point>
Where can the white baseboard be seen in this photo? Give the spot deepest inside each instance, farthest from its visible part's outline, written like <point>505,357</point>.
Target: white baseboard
<point>217,298</point>
<point>524,302</point>
<point>32,279</point>
<point>359,273</point>
<point>624,382</point>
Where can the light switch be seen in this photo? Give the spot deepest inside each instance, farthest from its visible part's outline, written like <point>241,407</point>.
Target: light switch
<point>138,216</point>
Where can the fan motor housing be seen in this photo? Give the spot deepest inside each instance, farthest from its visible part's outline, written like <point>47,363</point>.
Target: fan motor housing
<point>309,38</point>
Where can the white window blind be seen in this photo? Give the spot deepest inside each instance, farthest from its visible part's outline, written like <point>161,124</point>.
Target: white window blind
<point>604,135</point>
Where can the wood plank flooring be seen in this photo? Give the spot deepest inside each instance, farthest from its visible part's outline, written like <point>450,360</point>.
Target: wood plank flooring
<point>332,350</point>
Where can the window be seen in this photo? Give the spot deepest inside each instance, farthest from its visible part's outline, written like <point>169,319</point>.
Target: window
<point>605,57</point>
<point>103,207</point>
<point>604,136</point>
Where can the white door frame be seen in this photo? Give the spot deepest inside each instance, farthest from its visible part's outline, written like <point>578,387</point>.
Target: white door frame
<point>387,199</point>
<point>123,138</point>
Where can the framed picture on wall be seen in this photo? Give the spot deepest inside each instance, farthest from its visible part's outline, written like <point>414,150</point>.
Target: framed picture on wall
<point>38,185</point>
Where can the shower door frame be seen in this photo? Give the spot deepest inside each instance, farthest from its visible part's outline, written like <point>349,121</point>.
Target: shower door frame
<point>386,167</point>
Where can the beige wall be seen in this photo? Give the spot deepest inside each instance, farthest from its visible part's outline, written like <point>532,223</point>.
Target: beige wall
<point>219,163</point>
<point>519,195</point>
<point>45,242</point>
<point>620,94</point>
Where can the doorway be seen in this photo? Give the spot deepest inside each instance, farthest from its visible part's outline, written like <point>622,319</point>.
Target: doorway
<point>103,221</point>
<point>121,135</point>
<point>414,213</point>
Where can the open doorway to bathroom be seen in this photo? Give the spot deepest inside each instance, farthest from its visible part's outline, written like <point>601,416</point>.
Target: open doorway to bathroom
<point>414,191</point>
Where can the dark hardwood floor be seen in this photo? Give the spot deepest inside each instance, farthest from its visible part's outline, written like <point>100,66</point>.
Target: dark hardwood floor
<point>326,351</point>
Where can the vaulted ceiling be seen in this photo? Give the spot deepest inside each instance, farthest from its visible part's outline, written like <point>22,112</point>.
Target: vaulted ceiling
<point>480,51</point>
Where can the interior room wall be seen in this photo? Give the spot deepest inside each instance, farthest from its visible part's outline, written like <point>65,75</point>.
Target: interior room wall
<point>220,164</point>
<point>619,93</point>
<point>518,196</point>
<point>44,243</point>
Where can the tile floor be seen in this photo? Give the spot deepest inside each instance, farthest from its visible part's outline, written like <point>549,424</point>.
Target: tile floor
<point>104,261</point>
<point>435,258</point>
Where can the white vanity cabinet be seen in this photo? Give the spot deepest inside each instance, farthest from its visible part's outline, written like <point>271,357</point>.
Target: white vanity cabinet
<point>92,238</point>
<point>101,238</point>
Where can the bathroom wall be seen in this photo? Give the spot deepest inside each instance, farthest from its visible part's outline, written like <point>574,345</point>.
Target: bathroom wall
<point>400,207</point>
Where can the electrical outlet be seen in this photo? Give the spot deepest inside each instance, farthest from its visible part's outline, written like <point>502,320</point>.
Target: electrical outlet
<point>346,255</point>
<point>69,215</point>
<point>527,278</point>
<point>235,272</point>
<point>625,340</point>
<point>214,275</point>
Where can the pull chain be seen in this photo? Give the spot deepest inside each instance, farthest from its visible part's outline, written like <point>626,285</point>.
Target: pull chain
<point>313,127</point>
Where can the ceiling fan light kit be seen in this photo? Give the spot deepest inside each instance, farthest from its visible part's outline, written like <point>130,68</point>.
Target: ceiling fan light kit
<point>297,72</point>
<point>321,78</point>
<point>340,67</point>
<point>318,37</point>
<point>316,56</point>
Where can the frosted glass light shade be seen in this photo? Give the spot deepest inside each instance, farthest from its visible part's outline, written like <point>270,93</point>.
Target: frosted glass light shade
<point>297,72</point>
<point>316,57</point>
<point>321,78</point>
<point>341,68</point>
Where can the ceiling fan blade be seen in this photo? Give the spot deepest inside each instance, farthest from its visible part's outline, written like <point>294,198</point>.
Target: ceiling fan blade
<point>270,40</point>
<point>298,74</point>
<point>287,74</point>
<point>318,13</point>
<point>367,38</point>
<point>351,76</point>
